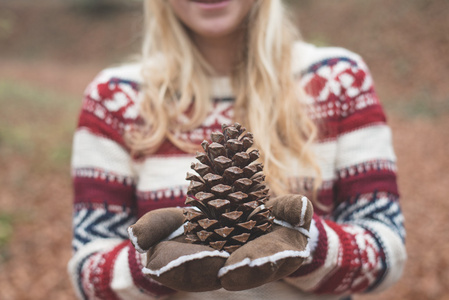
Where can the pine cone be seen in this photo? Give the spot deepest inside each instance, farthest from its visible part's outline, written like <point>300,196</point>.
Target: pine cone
<point>229,193</point>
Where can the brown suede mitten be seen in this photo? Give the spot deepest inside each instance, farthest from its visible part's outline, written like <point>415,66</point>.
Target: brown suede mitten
<point>274,255</point>
<point>170,259</point>
<point>155,226</point>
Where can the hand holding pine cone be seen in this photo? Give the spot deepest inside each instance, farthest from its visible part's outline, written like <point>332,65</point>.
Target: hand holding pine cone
<point>231,238</point>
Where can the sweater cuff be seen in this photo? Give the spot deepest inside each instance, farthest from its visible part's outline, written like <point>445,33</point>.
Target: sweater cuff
<point>318,246</point>
<point>148,285</point>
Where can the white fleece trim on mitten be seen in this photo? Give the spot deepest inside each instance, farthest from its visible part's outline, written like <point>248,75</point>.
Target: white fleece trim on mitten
<point>133,240</point>
<point>314,235</point>
<point>303,210</point>
<point>185,258</point>
<point>175,233</point>
<point>288,225</point>
<point>264,260</point>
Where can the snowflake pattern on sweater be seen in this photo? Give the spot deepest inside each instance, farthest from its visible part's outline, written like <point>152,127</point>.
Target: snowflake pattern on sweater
<point>357,246</point>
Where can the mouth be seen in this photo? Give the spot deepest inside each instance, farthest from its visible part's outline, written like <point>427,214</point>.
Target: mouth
<point>211,4</point>
<point>209,1</point>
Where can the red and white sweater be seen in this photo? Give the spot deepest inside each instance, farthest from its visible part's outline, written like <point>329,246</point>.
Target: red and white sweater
<point>356,247</point>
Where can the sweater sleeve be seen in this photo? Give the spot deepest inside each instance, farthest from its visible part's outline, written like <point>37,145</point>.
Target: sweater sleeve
<point>359,246</point>
<point>104,264</point>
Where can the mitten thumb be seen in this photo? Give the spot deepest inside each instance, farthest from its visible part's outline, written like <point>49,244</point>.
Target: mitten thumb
<point>296,210</point>
<point>154,227</point>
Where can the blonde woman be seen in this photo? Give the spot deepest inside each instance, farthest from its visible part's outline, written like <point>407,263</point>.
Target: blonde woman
<point>315,118</point>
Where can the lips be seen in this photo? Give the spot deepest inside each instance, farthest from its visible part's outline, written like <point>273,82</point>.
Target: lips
<point>209,1</point>
<point>211,6</point>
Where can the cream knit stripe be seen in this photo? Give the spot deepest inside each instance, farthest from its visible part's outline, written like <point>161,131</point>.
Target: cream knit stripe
<point>160,172</point>
<point>311,281</point>
<point>96,152</point>
<point>325,153</point>
<point>363,145</point>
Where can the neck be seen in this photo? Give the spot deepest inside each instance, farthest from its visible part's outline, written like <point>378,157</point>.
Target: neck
<point>220,52</point>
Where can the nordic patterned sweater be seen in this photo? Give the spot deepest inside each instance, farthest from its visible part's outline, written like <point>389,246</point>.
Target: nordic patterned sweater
<point>357,246</point>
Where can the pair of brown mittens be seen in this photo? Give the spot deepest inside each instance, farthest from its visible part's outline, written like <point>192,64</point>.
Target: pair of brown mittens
<point>182,266</point>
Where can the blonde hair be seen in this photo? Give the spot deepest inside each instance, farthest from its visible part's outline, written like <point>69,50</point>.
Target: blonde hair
<point>263,83</point>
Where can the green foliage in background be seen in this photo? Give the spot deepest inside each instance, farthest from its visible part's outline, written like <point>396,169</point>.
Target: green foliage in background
<point>423,105</point>
<point>36,124</point>
<point>6,230</point>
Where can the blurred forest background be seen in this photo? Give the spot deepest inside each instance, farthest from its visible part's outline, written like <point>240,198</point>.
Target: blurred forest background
<point>50,50</point>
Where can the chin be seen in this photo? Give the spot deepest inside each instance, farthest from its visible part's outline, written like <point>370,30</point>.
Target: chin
<point>212,18</point>
<point>214,32</point>
<point>215,28</point>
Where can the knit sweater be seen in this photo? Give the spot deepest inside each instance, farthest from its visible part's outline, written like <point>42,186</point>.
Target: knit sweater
<point>357,243</point>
